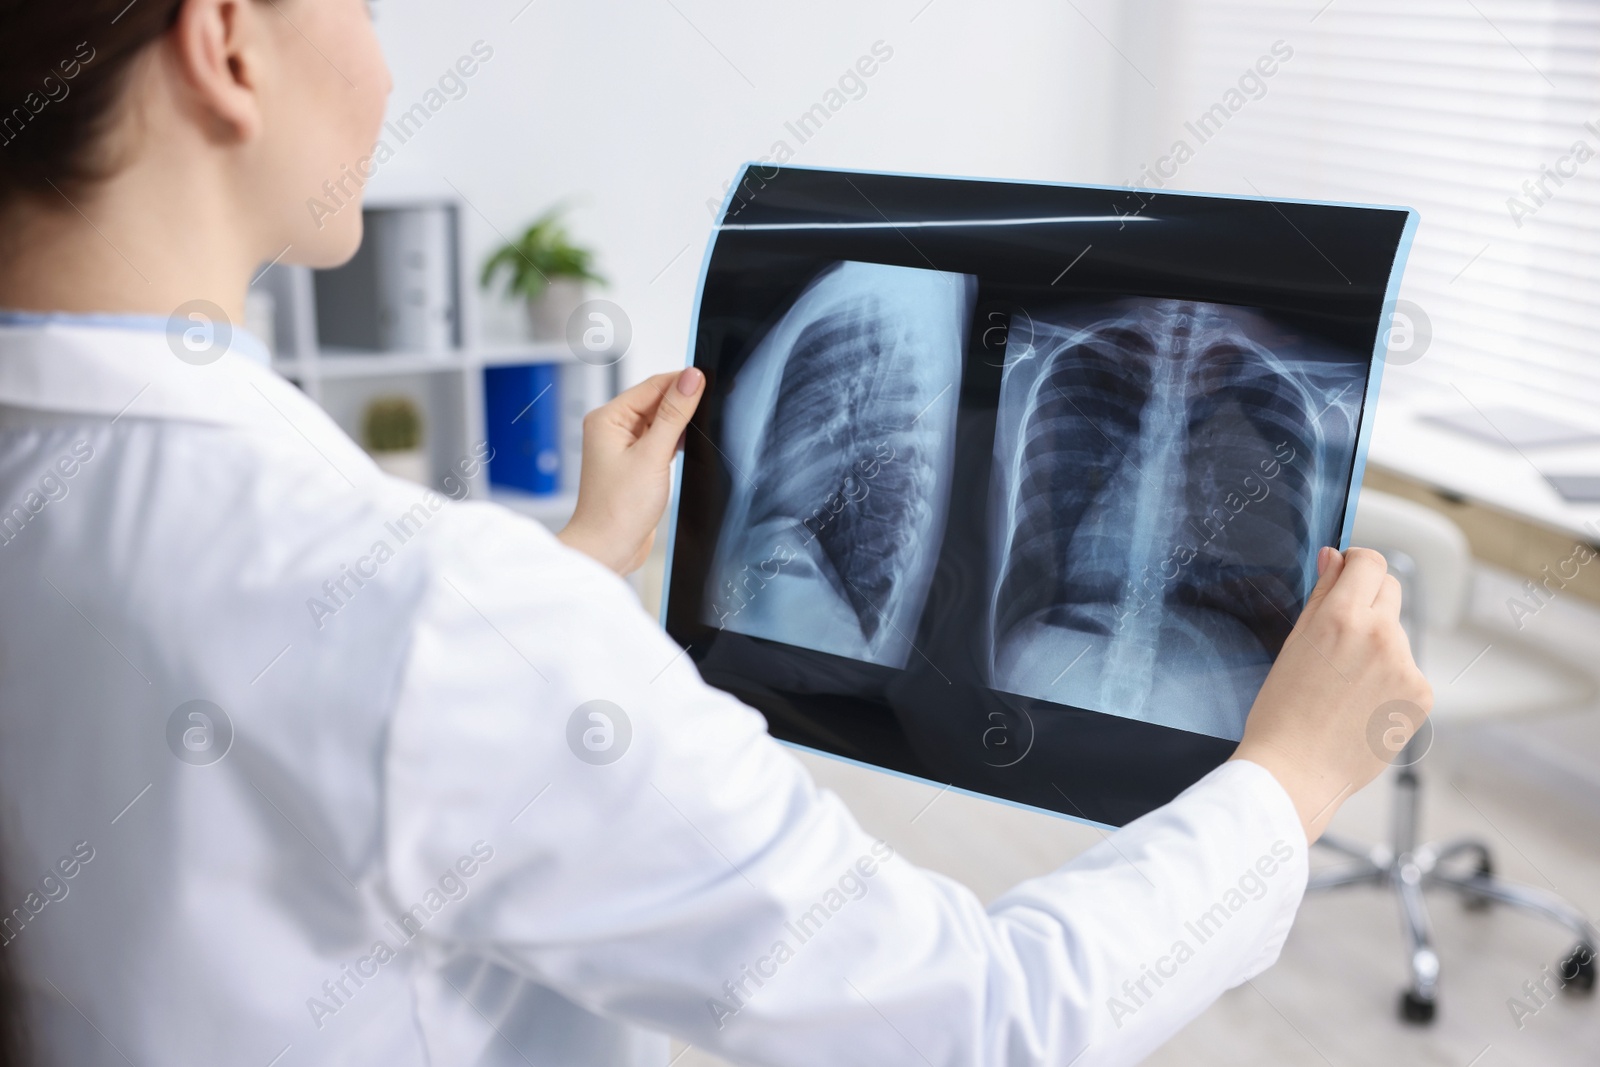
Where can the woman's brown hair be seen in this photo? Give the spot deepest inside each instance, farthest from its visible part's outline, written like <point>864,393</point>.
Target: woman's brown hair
<point>63,66</point>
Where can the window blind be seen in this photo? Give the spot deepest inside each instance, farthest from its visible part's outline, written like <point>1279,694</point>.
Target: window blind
<point>1484,115</point>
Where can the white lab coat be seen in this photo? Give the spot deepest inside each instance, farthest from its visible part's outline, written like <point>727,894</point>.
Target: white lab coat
<point>399,859</point>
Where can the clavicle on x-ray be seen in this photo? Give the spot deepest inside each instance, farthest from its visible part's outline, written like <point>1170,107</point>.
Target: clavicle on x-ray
<point>1008,485</point>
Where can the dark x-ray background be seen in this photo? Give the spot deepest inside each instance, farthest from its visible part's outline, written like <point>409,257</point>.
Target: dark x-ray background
<point>1317,274</point>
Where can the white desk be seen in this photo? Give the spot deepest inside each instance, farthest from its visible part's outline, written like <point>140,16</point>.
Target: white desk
<point>1496,476</point>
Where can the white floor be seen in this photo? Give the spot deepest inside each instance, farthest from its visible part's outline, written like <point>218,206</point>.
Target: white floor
<point>1331,998</point>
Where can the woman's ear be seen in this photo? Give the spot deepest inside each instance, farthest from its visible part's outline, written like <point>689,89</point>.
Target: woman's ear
<point>220,51</point>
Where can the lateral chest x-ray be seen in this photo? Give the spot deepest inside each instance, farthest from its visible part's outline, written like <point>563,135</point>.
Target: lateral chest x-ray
<point>1020,487</point>
<point>849,463</point>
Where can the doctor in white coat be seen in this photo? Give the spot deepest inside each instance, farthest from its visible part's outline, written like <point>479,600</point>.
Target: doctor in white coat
<point>297,761</point>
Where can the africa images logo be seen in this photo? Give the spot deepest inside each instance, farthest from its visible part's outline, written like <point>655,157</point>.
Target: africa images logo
<point>599,732</point>
<point>199,733</point>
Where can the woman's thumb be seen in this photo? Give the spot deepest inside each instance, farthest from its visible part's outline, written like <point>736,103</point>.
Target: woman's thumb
<point>677,407</point>
<point>1330,564</point>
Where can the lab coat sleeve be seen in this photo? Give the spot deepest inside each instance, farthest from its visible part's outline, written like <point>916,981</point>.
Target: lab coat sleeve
<point>699,882</point>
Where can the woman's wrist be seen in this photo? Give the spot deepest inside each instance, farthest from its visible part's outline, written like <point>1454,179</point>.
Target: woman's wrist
<point>593,540</point>
<point>575,535</point>
<point>1315,797</point>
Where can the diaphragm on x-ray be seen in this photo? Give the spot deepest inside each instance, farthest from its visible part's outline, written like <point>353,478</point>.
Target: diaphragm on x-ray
<point>841,425</point>
<point>1163,477</point>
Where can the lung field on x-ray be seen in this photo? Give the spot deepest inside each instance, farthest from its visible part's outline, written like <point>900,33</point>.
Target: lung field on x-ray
<point>840,430</point>
<point>1163,479</point>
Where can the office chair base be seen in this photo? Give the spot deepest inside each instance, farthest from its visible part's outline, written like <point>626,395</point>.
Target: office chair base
<point>1413,1009</point>
<point>1408,869</point>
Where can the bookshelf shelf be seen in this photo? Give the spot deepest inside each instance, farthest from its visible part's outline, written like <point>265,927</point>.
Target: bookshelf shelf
<point>315,314</point>
<point>532,352</point>
<point>348,363</point>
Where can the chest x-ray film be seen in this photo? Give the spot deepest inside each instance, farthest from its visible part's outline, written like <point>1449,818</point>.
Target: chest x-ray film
<point>1019,487</point>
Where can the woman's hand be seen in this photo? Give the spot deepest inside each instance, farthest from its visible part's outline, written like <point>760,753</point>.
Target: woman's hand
<point>628,447</point>
<point>1325,722</point>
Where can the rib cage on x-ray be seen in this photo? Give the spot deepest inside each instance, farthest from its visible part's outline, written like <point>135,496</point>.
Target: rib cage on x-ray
<point>1162,483</point>
<point>840,430</point>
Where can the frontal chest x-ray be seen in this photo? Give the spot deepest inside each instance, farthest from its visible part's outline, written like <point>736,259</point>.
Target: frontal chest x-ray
<point>1019,488</point>
<point>1163,480</point>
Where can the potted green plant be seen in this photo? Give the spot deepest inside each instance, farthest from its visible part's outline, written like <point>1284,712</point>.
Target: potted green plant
<point>547,271</point>
<point>391,430</point>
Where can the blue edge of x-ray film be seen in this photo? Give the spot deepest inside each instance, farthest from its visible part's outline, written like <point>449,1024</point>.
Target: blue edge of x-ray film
<point>1363,437</point>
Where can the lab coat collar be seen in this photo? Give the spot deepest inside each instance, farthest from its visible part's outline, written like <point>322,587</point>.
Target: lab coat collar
<point>116,366</point>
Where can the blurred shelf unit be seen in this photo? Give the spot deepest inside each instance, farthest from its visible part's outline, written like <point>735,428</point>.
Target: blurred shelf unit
<point>401,319</point>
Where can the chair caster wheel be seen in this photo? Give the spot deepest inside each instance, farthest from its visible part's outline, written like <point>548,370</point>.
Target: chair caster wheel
<point>1577,970</point>
<point>1416,1010</point>
<point>1473,902</point>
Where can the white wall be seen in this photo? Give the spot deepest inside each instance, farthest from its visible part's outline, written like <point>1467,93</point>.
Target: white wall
<point>628,111</point>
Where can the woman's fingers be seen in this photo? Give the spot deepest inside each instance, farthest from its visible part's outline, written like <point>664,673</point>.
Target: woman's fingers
<point>643,399</point>
<point>659,400</point>
<point>1359,580</point>
<point>1387,603</point>
<point>1330,563</point>
<point>627,461</point>
<point>675,407</point>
